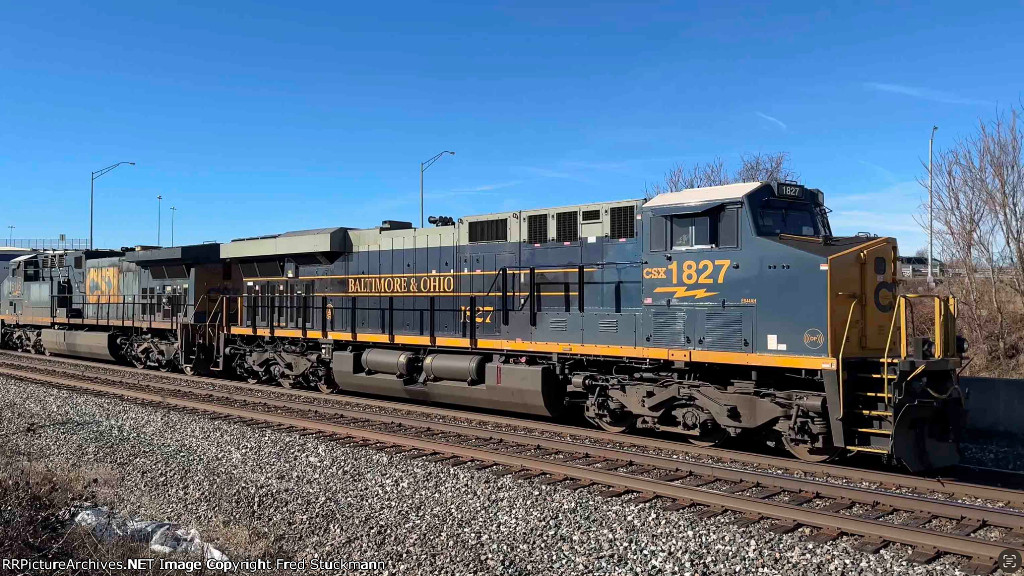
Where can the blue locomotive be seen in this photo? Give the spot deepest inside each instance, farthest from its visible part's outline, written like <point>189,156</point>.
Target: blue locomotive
<point>708,313</point>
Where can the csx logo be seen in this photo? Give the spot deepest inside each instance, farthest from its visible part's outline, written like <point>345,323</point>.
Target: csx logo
<point>654,273</point>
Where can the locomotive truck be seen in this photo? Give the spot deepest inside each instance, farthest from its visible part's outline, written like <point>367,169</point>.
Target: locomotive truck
<point>707,313</point>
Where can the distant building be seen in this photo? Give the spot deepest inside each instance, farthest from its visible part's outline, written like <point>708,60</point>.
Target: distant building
<point>917,267</point>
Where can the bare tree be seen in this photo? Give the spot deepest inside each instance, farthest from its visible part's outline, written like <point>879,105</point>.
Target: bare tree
<point>978,193</point>
<point>771,167</point>
<point>765,168</point>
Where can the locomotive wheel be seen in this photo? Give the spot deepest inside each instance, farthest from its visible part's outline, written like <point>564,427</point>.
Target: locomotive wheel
<point>286,383</point>
<point>325,387</point>
<point>137,361</point>
<point>809,453</point>
<point>188,370</point>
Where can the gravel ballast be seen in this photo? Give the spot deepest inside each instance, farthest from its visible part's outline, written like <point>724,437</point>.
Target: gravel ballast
<point>273,494</point>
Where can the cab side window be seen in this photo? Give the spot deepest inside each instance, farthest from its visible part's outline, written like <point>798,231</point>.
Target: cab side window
<point>713,229</point>
<point>729,228</point>
<point>690,231</point>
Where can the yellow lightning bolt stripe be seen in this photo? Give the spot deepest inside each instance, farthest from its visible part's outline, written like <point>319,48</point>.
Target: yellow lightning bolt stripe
<point>683,291</point>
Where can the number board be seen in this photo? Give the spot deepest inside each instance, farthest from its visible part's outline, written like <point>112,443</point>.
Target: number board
<point>789,191</point>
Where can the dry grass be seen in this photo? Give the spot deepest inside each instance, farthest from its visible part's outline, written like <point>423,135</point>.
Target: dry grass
<point>38,502</point>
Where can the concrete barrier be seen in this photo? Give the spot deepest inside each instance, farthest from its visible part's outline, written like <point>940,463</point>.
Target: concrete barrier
<point>994,405</point>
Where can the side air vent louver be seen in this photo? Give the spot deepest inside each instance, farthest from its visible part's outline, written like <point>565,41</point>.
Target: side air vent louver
<point>609,325</point>
<point>591,215</point>
<point>495,230</point>
<point>558,324</point>
<point>537,228</point>
<point>724,331</point>
<point>668,329</point>
<point>567,227</point>
<point>623,221</point>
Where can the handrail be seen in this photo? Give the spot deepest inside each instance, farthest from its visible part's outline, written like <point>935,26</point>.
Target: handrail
<point>842,347</point>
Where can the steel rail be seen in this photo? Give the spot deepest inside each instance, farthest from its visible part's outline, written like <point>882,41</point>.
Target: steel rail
<point>888,479</point>
<point>926,541</point>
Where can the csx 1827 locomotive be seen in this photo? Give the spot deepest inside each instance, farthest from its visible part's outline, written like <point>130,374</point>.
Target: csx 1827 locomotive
<point>708,313</point>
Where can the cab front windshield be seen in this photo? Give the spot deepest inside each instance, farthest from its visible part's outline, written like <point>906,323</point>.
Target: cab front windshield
<point>794,218</point>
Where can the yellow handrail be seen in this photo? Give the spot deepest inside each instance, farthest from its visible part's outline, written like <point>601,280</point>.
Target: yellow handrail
<point>842,347</point>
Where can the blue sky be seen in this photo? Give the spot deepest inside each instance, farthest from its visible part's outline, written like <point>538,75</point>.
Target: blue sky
<point>254,118</point>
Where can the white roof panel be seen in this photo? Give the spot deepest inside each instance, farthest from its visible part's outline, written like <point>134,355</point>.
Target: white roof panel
<point>702,195</point>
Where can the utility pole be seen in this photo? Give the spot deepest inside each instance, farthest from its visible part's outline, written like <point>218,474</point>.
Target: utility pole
<point>10,239</point>
<point>423,168</point>
<point>159,201</point>
<point>92,190</point>
<point>931,243</point>
<point>173,210</point>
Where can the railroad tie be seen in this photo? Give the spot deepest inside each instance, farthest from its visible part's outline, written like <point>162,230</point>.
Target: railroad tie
<point>672,477</point>
<point>838,505</point>
<point>1014,537</point>
<point>981,565</point>
<point>765,492</point>
<point>799,498</point>
<point>918,519</point>
<point>877,512</point>
<point>869,544</point>
<point>679,504</point>
<point>968,525</point>
<point>825,535</point>
<point>580,484</point>
<point>711,512</point>
<point>527,474</point>
<point>645,497</point>
<point>739,487</point>
<point>615,465</point>
<point>612,492</point>
<point>747,520</point>
<point>555,479</point>
<point>697,481</point>
<point>785,526</point>
<point>923,554</point>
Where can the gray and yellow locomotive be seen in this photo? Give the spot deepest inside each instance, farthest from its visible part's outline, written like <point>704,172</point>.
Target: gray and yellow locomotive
<point>708,313</point>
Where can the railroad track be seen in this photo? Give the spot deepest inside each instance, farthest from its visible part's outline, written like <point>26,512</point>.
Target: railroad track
<point>887,481</point>
<point>931,526</point>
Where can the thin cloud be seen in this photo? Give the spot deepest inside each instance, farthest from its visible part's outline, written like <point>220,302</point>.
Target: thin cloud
<point>486,187</point>
<point>772,119</point>
<point>924,93</point>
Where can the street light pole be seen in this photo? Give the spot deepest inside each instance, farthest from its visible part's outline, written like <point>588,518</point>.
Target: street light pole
<point>423,168</point>
<point>92,190</point>
<point>173,210</point>
<point>10,239</point>
<point>931,140</point>
<point>159,213</point>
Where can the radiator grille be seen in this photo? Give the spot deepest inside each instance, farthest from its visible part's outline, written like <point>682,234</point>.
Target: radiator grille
<point>668,329</point>
<point>724,331</point>
<point>537,228</point>
<point>567,228</point>
<point>591,215</point>
<point>489,230</point>
<point>623,221</point>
